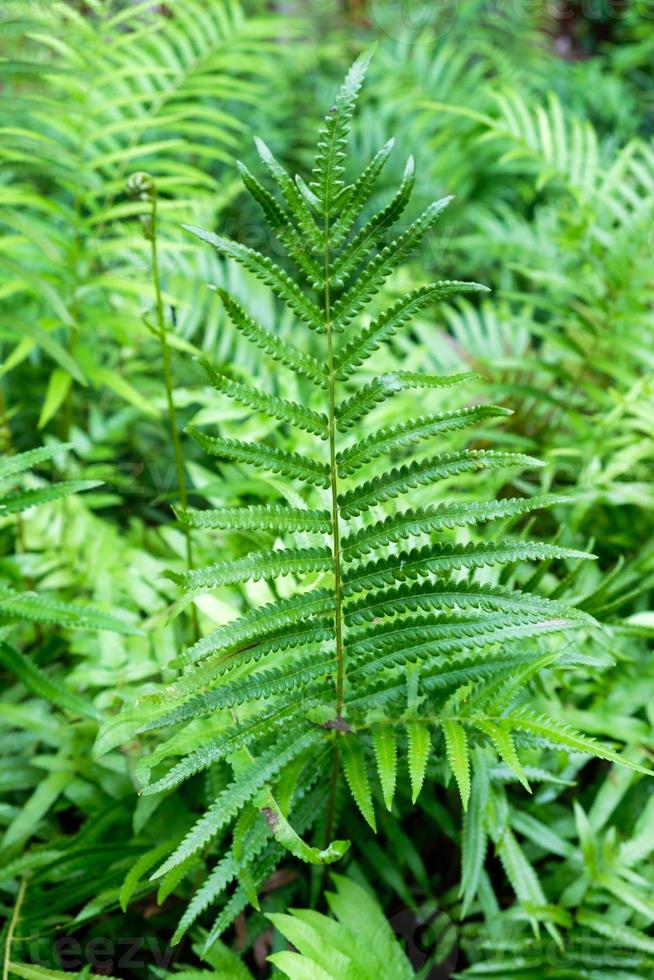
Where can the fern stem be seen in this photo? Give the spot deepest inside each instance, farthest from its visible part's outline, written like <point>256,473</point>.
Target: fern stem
<point>336,543</point>
<point>336,539</point>
<point>331,804</point>
<point>12,928</point>
<point>162,335</point>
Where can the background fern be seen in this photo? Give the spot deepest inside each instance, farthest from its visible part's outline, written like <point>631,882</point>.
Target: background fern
<point>541,125</point>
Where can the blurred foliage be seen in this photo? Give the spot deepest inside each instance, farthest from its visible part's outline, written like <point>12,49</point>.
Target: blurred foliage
<point>539,118</point>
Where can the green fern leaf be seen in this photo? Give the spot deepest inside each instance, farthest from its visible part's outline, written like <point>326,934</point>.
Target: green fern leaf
<point>44,686</point>
<point>554,733</point>
<point>368,236</point>
<point>283,228</point>
<point>348,413</point>
<point>403,525</point>
<point>255,566</point>
<point>293,195</point>
<point>294,844</point>
<point>42,608</point>
<point>419,741</point>
<point>329,165</point>
<point>379,269</point>
<point>443,558</point>
<point>448,594</point>
<point>273,345</point>
<point>405,434</point>
<point>264,517</point>
<point>627,935</point>
<point>506,750</point>
<point>356,774</point>
<point>138,869</point>
<point>358,196</point>
<point>11,466</point>
<point>403,479</point>
<point>458,756</point>
<point>213,886</point>
<point>413,641</point>
<point>315,684</point>
<point>262,621</point>
<point>266,270</point>
<point>385,745</point>
<point>16,503</point>
<point>241,791</point>
<point>271,405</point>
<point>266,684</point>
<point>474,836</point>
<point>367,341</point>
<point>292,465</point>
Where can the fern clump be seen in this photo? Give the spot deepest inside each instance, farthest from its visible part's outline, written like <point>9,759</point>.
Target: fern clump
<point>390,647</point>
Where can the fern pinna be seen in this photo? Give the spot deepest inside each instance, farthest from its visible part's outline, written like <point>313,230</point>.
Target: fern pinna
<point>387,647</point>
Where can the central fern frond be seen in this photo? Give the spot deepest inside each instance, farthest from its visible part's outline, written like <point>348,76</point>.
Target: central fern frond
<point>391,641</point>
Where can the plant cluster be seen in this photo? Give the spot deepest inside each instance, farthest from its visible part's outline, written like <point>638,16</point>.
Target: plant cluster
<point>316,552</point>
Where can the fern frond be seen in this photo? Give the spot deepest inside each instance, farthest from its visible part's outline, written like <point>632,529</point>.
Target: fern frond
<point>217,667</point>
<point>289,236</point>
<point>404,434</point>
<point>22,500</point>
<point>369,339</point>
<point>449,594</point>
<point>292,465</point>
<point>349,412</point>
<point>255,566</point>
<point>220,877</point>
<point>261,621</point>
<point>444,630</point>
<point>11,466</point>
<point>240,736</point>
<point>293,843</point>
<point>356,774</point>
<point>419,743</point>
<point>409,523</point>
<point>458,756</point>
<point>306,691</point>
<point>379,268</point>
<point>474,838</point>
<point>551,732</point>
<point>271,405</point>
<point>262,517</point>
<point>367,237</point>
<point>266,270</point>
<point>42,608</point>
<point>437,676</point>
<point>443,558</point>
<point>385,746</point>
<point>358,195</point>
<point>240,791</point>
<point>417,641</point>
<point>273,345</point>
<point>505,748</point>
<point>263,685</point>
<point>329,165</point>
<point>292,194</point>
<point>401,480</point>
<point>44,686</point>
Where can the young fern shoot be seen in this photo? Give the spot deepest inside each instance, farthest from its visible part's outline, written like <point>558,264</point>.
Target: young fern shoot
<point>385,646</point>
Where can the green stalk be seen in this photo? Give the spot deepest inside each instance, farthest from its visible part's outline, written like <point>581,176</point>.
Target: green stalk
<point>336,538</point>
<point>12,928</point>
<point>162,335</point>
<point>333,479</point>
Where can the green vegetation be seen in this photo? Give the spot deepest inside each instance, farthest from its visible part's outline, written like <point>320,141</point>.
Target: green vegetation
<point>315,550</point>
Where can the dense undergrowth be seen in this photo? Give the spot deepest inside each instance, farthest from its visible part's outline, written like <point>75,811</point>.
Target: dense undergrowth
<point>252,624</point>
